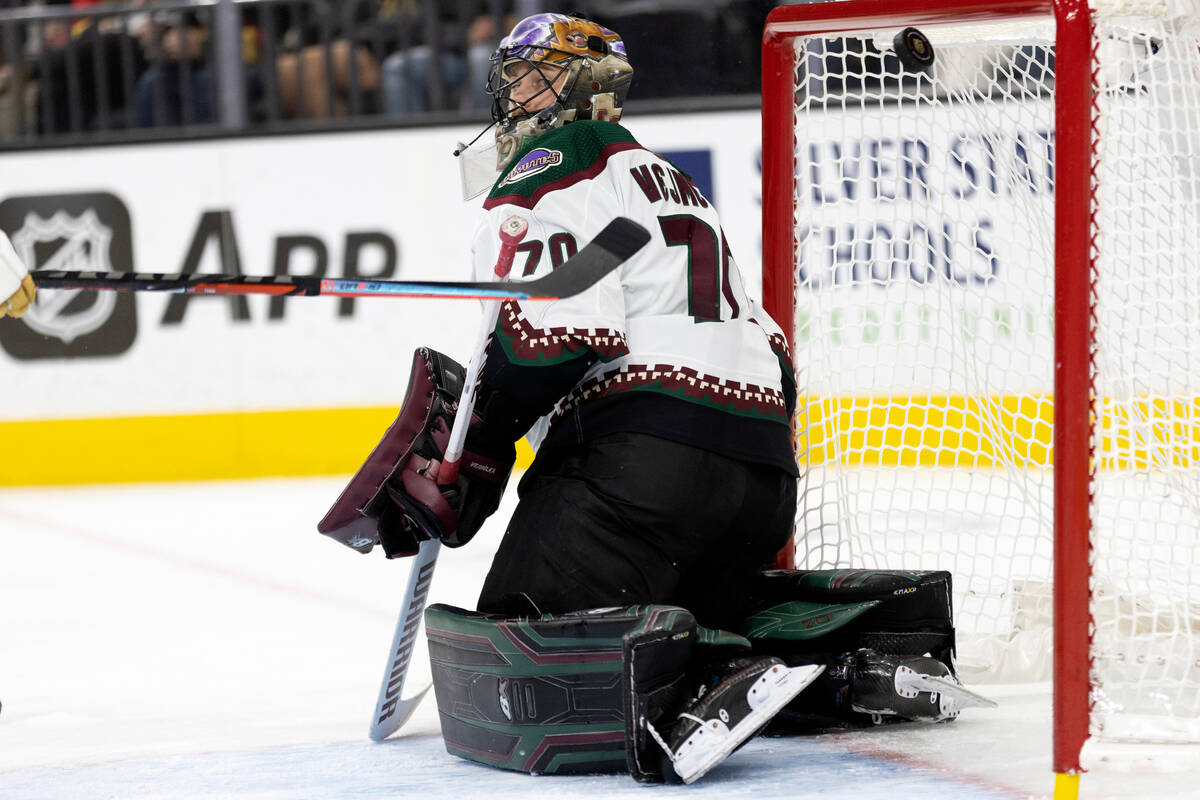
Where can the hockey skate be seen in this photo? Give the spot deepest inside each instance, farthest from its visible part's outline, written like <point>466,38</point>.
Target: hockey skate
<point>723,718</point>
<point>909,687</point>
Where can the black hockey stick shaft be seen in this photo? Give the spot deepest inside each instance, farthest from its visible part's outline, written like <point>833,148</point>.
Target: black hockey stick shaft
<point>619,240</point>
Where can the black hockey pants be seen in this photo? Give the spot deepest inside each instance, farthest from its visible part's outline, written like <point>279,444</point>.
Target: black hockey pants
<point>631,518</point>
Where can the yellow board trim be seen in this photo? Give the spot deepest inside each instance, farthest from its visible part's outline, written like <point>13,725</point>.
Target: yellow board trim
<point>191,447</point>
<point>926,431</point>
<point>989,431</point>
<point>885,431</point>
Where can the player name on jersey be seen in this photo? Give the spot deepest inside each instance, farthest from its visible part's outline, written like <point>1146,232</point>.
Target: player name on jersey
<point>659,183</point>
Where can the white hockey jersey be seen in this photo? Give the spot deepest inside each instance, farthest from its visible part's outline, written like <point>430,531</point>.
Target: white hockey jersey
<point>670,343</point>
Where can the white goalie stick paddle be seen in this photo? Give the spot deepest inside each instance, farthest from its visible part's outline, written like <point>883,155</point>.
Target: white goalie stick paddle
<point>610,248</point>
<point>391,709</point>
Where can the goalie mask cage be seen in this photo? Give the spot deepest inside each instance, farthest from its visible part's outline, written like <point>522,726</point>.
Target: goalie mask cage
<point>990,274</point>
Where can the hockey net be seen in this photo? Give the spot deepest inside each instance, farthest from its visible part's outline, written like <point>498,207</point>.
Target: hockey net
<point>909,246</point>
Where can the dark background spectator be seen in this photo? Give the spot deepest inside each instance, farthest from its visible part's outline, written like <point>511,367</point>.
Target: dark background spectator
<point>177,87</point>
<point>465,36</point>
<point>136,64</point>
<point>18,90</point>
<point>688,48</point>
<point>84,70</point>
<point>329,67</point>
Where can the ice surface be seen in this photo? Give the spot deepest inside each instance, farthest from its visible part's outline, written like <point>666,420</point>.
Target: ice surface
<point>203,641</point>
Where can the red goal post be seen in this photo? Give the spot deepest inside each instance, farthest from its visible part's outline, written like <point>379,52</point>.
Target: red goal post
<point>806,156</point>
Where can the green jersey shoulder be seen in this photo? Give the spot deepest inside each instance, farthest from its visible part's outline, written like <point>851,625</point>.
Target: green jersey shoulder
<point>559,158</point>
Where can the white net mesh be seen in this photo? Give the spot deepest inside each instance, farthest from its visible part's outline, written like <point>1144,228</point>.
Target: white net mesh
<point>1146,511</point>
<point>924,342</point>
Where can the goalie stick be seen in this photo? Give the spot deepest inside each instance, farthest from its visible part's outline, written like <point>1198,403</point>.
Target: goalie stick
<point>593,262</point>
<point>598,258</point>
<point>391,709</point>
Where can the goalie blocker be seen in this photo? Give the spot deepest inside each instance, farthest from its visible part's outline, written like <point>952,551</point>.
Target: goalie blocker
<point>646,690</point>
<point>394,498</point>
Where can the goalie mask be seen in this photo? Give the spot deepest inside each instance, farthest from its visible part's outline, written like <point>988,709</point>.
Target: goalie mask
<point>552,69</point>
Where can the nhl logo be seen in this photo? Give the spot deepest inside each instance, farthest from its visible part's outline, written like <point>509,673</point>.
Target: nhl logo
<point>72,243</point>
<point>87,231</point>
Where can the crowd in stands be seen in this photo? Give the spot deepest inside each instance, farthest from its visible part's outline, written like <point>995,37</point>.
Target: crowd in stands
<point>78,66</point>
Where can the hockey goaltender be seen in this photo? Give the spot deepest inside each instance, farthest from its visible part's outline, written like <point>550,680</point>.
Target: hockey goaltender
<point>627,623</point>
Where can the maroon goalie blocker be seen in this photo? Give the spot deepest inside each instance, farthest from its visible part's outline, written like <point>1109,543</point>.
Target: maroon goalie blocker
<point>394,499</point>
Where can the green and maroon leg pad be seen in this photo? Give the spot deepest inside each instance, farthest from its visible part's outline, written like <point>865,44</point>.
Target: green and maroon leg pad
<point>867,627</point>
<point>574,693</point>
<point>565,693</point>
<point>836,610</point>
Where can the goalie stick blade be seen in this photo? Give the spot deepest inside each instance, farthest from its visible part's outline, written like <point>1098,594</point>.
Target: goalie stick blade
<point>391,709</point>
<point>404,709</point>
<point>619,240</point>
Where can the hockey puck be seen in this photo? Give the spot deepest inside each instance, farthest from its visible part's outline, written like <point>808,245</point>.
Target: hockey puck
<point>914,50</point>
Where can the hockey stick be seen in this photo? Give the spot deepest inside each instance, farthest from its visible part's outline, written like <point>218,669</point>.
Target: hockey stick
<point>598,258</point>
<point>512,231</point>
<point>391,709</point>
<point>622,235</point>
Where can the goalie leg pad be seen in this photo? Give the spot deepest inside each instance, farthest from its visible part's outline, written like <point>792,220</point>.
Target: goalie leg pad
<point>598,690</point>
<point>872,630</point>
<point>555,694</point>
<point>805,615</point>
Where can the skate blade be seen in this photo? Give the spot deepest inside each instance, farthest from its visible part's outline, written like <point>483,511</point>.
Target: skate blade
<point>953,696</point>
<point>712,742</point>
